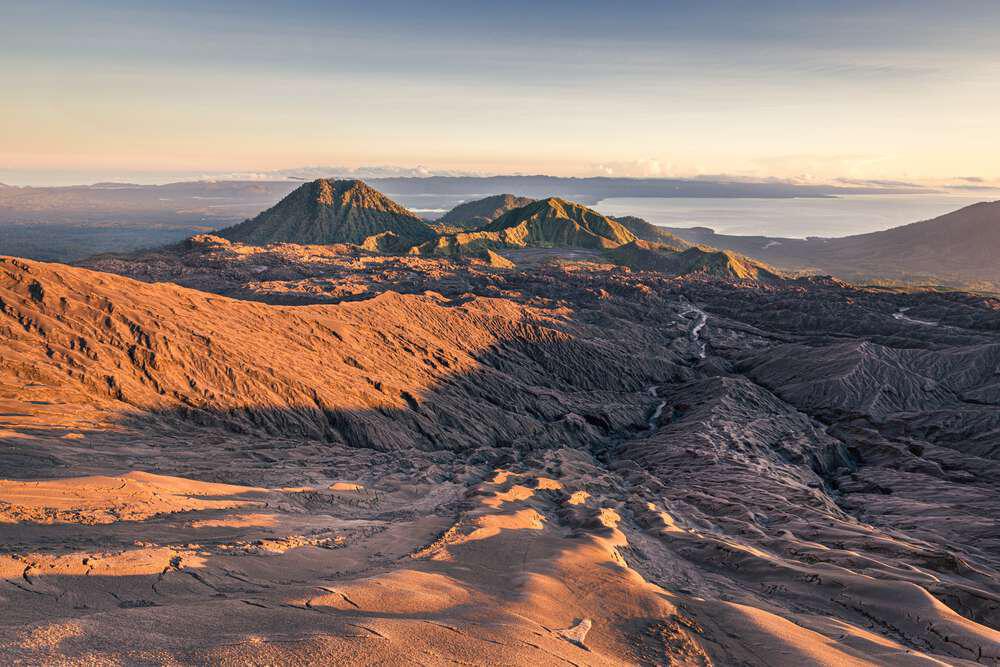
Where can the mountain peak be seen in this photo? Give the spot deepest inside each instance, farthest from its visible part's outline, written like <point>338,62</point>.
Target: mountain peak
<point>331,211</point>
<point>555,220</point>
<point>556,204</point>
<point>332,192</point>
<point>324,191</point>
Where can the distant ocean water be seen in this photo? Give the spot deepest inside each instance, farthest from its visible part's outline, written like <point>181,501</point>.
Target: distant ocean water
<point>791,218</point>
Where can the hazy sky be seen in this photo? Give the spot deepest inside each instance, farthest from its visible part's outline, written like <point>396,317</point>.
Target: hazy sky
<point>791,89</point>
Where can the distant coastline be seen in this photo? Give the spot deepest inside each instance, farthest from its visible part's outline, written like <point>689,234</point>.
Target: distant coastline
<point>788,217</point>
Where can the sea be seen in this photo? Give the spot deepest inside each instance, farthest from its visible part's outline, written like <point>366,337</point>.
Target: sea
<point>790,218</point>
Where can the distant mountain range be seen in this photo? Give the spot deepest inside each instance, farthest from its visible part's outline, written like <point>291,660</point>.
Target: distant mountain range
<point>351,212</point>
<point>957,249</point>
<point>593,190</point>
<point>70,223</point>
<point>75,222</point>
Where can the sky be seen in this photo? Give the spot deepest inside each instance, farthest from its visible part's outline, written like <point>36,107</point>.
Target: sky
<point>799,90</point>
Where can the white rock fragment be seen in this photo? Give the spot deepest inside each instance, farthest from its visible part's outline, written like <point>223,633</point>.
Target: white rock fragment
<point>577,633</point>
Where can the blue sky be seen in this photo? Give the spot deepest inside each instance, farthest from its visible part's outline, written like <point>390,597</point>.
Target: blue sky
<point>803,90</point>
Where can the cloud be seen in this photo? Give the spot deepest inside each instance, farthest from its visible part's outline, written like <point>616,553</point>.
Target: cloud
<point>972,184</point>
<point>649,168</point>
<point>972,188</point>
<point>878,183</point>
<point>743,178</point>
<point>311,172</point>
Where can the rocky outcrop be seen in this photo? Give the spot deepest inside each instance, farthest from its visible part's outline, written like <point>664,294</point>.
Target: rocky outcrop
<point>644,256</point>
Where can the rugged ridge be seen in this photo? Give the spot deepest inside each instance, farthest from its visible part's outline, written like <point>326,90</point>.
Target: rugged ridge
<point>117,342</point>
<point>559,222</point>
<point>546,223</point>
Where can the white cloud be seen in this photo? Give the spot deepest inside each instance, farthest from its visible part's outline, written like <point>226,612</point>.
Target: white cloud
<point>331,171</point>
<point>649,168</point>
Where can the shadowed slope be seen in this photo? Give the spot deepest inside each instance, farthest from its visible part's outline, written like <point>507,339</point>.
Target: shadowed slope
<point>645,231</point>
<point>966,241</point>
<point>481,212</point>
<point>959,248</point>
<point>118,344</point>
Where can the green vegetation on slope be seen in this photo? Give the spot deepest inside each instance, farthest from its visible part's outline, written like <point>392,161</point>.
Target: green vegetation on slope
<point>325,211</point>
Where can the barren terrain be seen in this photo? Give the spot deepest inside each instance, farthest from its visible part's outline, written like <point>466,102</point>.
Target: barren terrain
<point>400,459</point>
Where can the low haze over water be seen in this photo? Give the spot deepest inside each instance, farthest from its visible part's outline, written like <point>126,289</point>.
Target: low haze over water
<point>790,218</point>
